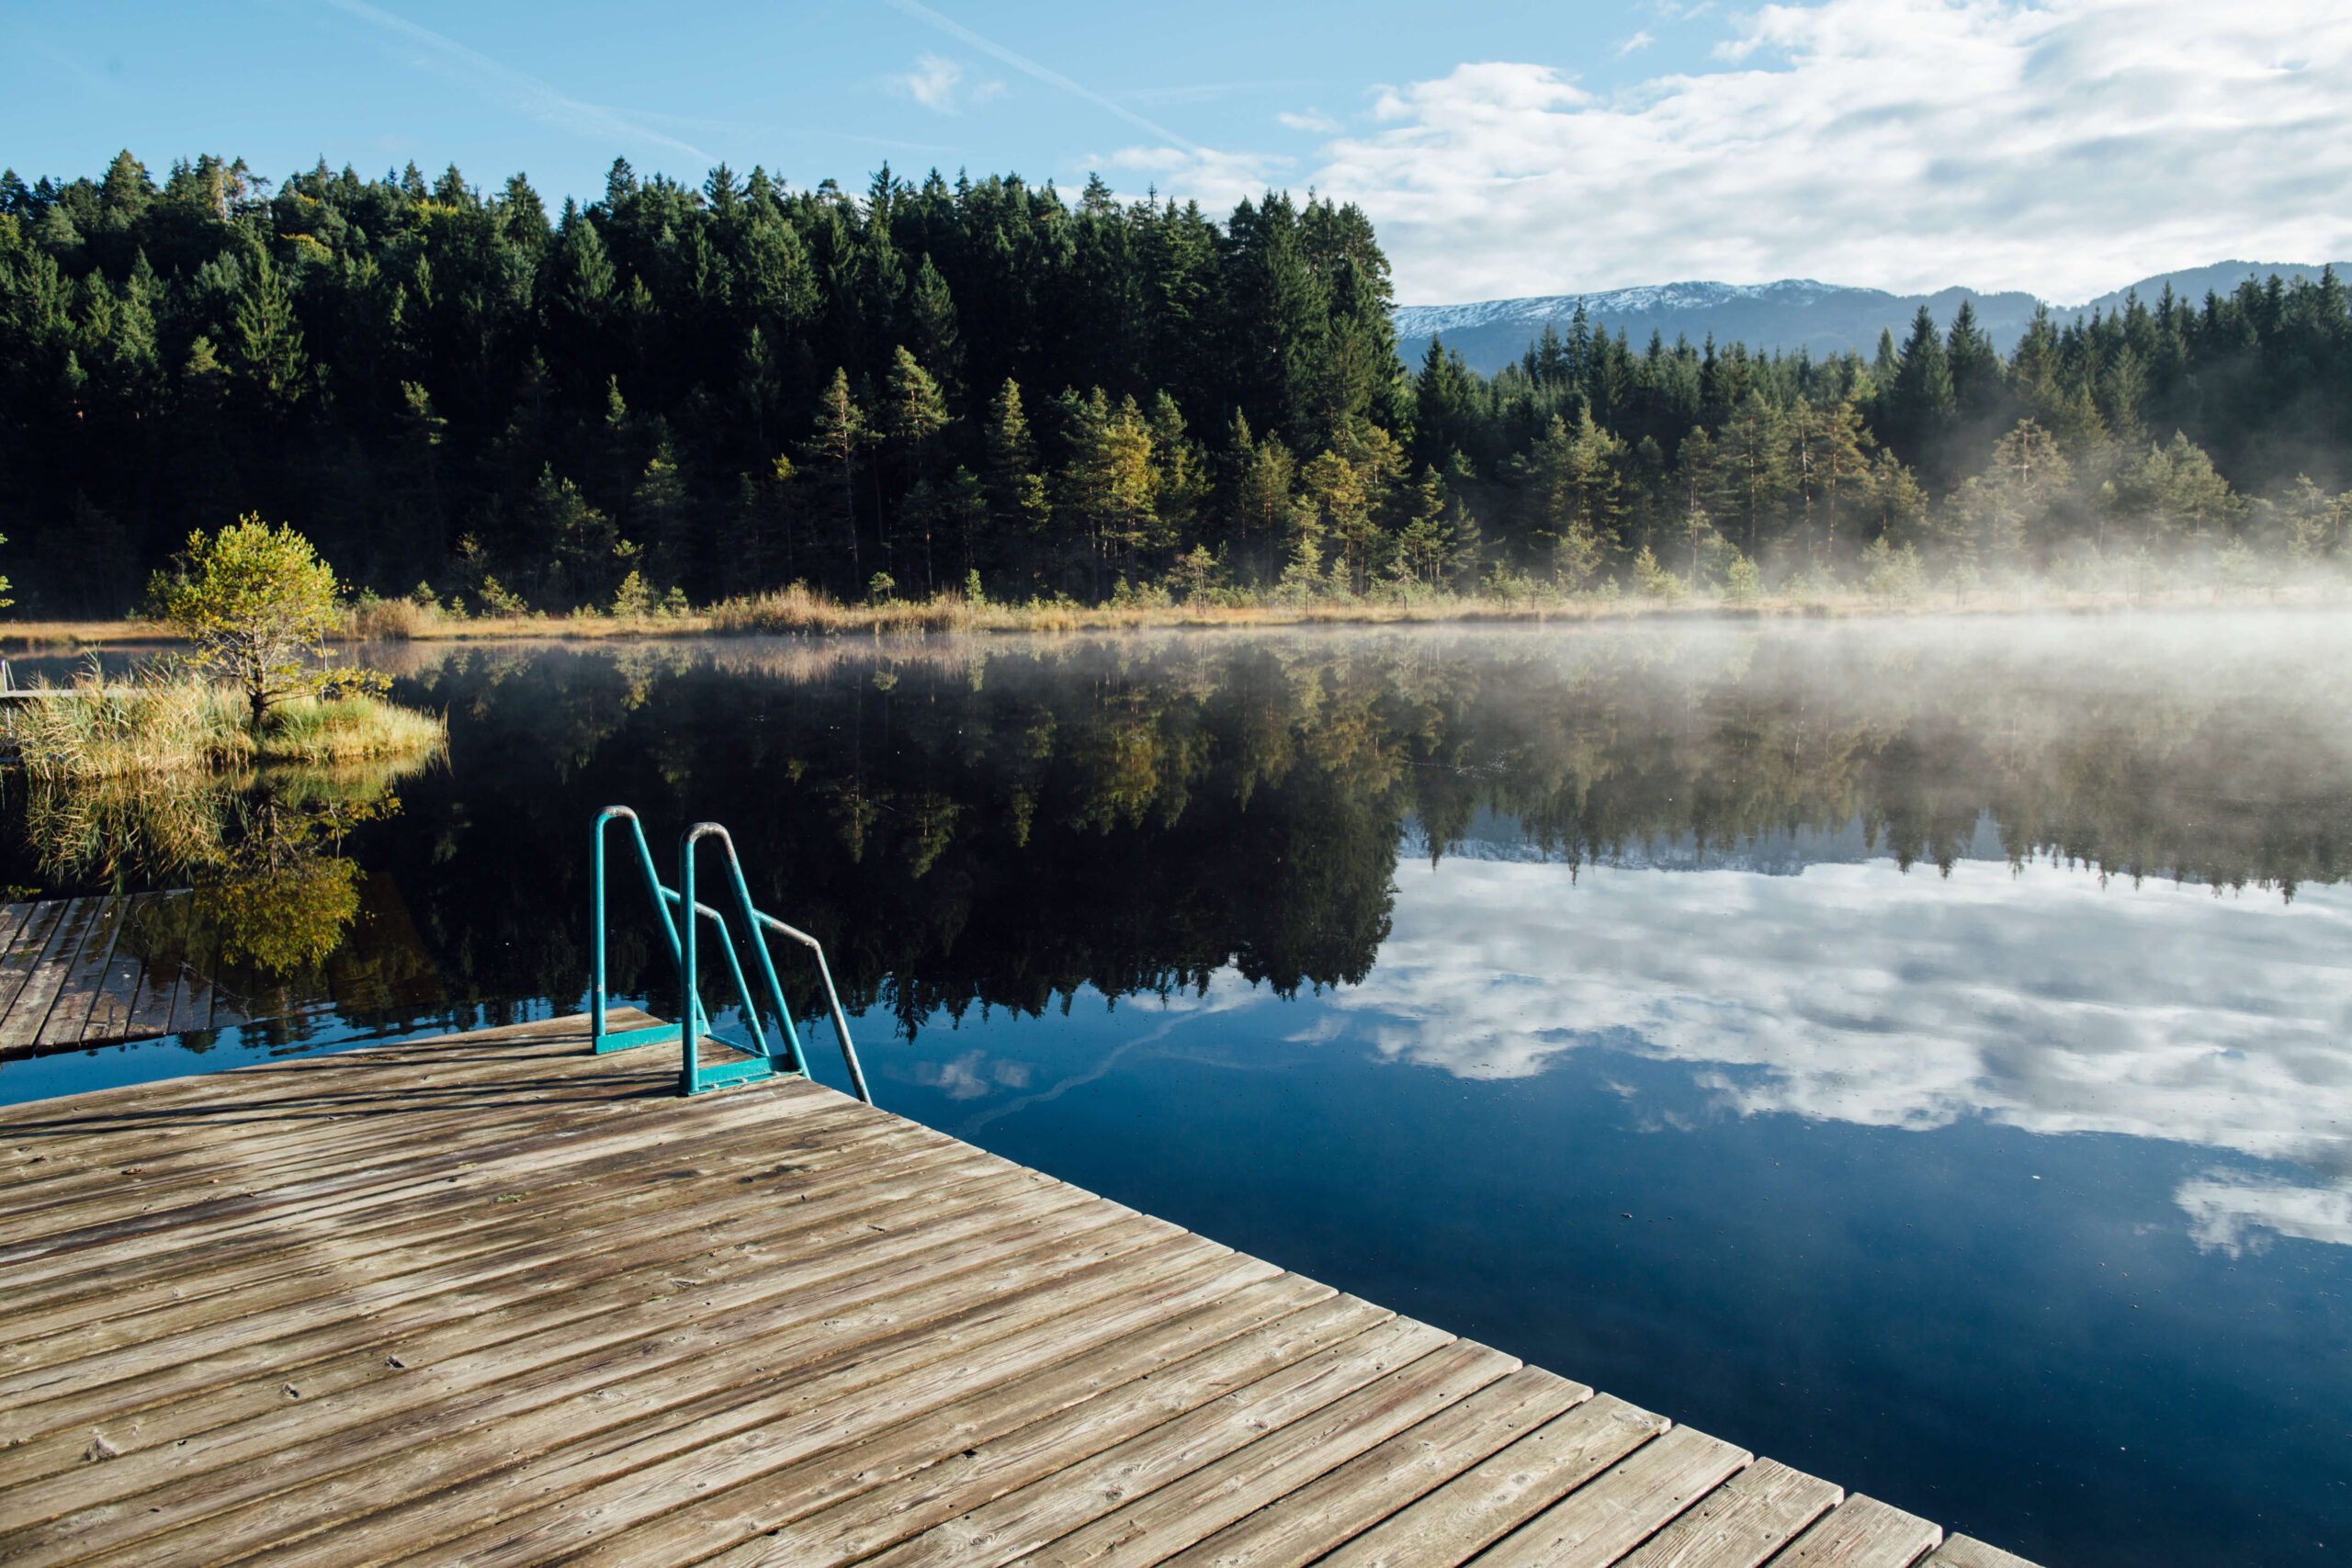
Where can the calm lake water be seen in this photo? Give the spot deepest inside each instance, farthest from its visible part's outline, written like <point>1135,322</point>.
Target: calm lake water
<point>1918,1051</point>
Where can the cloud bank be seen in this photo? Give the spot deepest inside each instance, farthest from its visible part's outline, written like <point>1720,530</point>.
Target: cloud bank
<point>2063,148</point>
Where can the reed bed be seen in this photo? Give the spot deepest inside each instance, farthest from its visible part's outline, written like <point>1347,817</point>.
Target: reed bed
<point>345,729</point>
<point>95,728</point>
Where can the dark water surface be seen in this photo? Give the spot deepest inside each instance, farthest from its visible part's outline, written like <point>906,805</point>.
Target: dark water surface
<point>1921,1053</point>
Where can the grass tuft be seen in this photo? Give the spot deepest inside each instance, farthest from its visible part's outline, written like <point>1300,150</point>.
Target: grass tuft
<point>94,729</point>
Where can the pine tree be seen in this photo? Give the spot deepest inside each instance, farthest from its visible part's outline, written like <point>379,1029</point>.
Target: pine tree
<point>1108,486</point>
<point>1976,369</point>
<point>1264,474</point>
<point>1698,487</point>
<point>1753,451</point>
<point>932,312</point>
<point>916,416</point>
<point>1425,543</point>
<point>841,433</point>
<point>1919,407</point>
<point>1016,492</point>
<point>265,339</point>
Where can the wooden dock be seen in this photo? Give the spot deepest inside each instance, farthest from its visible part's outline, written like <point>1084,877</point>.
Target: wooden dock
<point>82,972</point>
<point>495,1300</point>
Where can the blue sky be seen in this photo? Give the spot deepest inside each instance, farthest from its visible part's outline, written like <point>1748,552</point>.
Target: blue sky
<point>1502,149</point>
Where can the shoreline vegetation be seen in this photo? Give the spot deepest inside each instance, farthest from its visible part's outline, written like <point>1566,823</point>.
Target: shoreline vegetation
<point>167,723</point>
<point>258,685</point>
<point>798,611</point>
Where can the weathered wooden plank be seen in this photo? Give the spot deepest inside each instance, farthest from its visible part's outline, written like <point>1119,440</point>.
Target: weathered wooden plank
<point>587,1309</point>
<point>834,1262</point>
<point>69,1014</point>
<point>135,1227</point>
<point>483,1229</point>
<point>458,1184</point>
<point>1603,1520</point>
<point>1202,1503</point>
<point>150,1009</point>
<point>1967,1552</point>
<point>266,1100</point>
<point>1486,1503</point>
<point>1862,1532</point>
<point>24,949</point>
<point>1741,1523</point>
<point>1025,1519</point>
<point>480,1220</point>
<point>42,1396</point>
<point>588,1493</point>
<point>22,1025</point>
<point>305,1327</point>
<point>327,1168</point>
<point>117,982</point>
<point>1299,1528</point>
<point>122,1280</point>
<point>243,1507</point>
<point>849,1502</point>
<point>339,1186</point>
<point>480,1052</point>
<point>12,924</point>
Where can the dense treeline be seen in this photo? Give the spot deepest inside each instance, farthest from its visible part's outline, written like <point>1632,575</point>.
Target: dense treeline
<point>703,392</point>
<point>2214,431</point>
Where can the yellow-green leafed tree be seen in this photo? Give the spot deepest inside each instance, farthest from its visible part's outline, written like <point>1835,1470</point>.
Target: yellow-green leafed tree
<point>259,604</point>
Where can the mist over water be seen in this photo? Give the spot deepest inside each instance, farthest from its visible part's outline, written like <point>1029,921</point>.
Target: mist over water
<point>1921,1051</point>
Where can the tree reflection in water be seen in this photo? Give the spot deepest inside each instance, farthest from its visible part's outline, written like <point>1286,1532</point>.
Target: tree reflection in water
<point>262,854</point>
<point>1004,823</point>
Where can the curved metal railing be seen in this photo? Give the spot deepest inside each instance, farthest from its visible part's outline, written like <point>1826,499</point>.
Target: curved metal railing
<point>767,1058</point>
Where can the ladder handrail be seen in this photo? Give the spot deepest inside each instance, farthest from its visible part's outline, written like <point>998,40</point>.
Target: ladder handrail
<point>690,1070</point>
<point>825,972</point>
<point>663,899</point>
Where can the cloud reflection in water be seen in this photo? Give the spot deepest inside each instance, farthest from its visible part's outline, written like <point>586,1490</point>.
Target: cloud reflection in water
<point>2041,999</point>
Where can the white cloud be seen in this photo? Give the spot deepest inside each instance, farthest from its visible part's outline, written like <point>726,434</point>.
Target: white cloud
<point>1639,41</point>
<point>1217,180</point>
<point>1855,993</point>
<point>2063,148</point>
<point>1314,120</point>
<point>2228,1212</point>
<point>936,81</point>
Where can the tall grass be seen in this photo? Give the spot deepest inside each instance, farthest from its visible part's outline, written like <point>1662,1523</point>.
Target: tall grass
<point>345,729</point>
<point>800,608</point>
<point>167,723</point>
<point>92,729</point>
<point>388,620</point>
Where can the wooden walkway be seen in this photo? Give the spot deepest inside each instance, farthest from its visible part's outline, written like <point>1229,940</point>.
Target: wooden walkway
<point>493,1300</point>
<point>80,971</point>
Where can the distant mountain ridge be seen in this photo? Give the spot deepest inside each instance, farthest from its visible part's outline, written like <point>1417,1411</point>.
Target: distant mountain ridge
<point>1794,312</point>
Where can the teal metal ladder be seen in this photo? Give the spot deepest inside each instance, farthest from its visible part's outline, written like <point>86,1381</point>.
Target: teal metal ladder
<point>766,1057</point>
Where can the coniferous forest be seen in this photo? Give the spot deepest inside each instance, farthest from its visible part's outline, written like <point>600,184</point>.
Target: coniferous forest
<point>675,394</point>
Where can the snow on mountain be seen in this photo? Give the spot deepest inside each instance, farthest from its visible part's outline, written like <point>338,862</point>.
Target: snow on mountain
<point>1793,313</point>
<point>1421,320</point>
